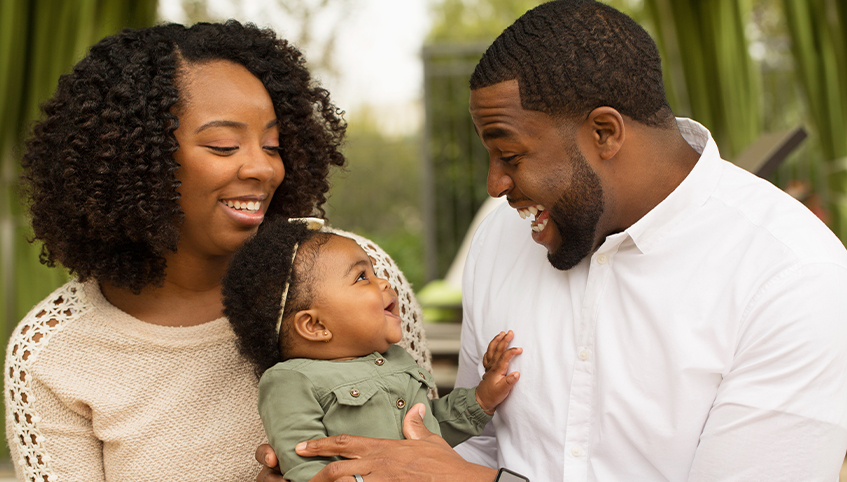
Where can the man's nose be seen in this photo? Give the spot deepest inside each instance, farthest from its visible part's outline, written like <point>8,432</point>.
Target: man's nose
<point>499,183</point>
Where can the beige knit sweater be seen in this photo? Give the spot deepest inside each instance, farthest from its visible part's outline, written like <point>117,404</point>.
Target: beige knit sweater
<point>94,394</point>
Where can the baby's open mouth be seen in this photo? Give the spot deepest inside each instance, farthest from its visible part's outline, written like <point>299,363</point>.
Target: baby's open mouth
<point>540,221</point>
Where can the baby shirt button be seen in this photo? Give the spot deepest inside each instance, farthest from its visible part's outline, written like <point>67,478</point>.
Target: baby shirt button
<point>354,392</point>
<point>401,403</point>
<point>380,361</point>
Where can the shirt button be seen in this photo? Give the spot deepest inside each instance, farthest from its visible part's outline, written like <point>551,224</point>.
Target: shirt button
<point>602,258</point>
<point>576,452</point>
<point>354,392</point>
<point>380,361</point>
<point>401,403</point>
<point>583,355</point>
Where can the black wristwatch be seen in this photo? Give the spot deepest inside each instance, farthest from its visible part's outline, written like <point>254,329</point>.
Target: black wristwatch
<point>506,475</point>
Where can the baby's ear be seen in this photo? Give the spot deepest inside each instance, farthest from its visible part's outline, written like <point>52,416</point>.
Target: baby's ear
<point>307,325</point>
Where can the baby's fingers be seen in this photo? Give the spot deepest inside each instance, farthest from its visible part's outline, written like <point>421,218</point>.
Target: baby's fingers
<point>496,348</point>
<point>492,349</point>
<point>501,364</point>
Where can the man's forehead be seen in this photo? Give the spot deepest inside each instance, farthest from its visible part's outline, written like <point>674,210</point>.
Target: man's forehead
<point>497,113</point>
<point>503,95</point>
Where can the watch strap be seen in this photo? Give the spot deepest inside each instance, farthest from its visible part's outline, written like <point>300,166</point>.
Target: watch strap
<point>506,475</point>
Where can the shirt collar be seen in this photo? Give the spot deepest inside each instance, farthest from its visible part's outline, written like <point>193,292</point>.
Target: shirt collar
<point>691,193</point>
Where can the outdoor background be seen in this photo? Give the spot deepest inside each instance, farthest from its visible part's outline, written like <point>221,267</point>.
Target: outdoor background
<point>399,68</point>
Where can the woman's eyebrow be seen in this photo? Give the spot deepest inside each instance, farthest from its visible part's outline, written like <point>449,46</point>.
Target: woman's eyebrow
<point>235,124</point>
<point>222,123</point>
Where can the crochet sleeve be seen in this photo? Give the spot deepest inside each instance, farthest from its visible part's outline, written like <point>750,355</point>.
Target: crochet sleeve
<point>48,441</point>
<point>414,340</point>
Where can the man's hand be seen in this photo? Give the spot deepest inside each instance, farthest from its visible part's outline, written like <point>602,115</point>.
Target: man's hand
<point>270,471</point>
<point>423,456</point>
<point>497,382</point>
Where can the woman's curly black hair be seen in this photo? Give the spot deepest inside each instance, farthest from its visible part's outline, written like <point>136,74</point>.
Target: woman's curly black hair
<point>255,280</point>
<point>99,171</point>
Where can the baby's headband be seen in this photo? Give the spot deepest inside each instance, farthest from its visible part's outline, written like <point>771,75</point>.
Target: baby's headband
<point>314,224</point>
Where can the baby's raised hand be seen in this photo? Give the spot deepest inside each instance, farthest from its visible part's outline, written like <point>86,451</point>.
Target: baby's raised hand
<point>497,382</point>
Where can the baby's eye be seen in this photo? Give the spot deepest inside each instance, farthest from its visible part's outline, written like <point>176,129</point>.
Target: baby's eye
<point>362,276</point>
<point>274,150</point>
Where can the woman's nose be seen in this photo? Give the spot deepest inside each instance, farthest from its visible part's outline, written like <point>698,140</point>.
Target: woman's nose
<point>260,165</point>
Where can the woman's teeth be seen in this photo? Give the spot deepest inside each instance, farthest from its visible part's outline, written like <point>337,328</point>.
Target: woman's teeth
<point>534,211</point>
<point>249,206</point>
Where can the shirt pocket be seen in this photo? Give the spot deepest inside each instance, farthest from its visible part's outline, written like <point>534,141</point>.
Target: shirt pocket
<point>355,394</point>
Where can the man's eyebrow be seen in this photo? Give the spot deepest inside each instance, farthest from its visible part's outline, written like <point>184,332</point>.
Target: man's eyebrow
<point>495,133</point>
<point>365,262</point>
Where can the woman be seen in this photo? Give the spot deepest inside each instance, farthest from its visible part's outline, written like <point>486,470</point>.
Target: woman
<point>158,156</point>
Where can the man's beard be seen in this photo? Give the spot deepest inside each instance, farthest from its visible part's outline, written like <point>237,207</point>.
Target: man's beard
<point>576,214</point>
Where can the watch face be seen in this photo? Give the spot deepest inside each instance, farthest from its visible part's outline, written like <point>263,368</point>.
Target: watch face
<point>506,475</point>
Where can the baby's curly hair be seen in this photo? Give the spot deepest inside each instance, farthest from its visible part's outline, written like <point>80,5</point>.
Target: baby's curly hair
<point>255,280</point>
<point>99,171</point>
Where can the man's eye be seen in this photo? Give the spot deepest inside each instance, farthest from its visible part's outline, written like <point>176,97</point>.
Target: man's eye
<point>508,159</point>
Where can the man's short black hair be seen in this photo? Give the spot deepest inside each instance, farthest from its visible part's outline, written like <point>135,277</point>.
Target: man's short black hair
<point>572,56</point>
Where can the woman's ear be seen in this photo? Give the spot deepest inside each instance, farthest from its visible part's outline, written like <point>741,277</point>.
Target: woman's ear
<point>608,132</point>
<point>307,325</point>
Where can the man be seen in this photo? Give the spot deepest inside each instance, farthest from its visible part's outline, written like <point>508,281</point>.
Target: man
<point>689,320</point>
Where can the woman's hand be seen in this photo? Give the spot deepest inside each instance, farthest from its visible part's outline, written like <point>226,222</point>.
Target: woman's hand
<point>270,471</point>
<point>423,456</point>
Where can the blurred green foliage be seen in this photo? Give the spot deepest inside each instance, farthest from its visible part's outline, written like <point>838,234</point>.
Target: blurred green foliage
<point>378,195</point>
<point>468,20</point>
<point>39,41</point>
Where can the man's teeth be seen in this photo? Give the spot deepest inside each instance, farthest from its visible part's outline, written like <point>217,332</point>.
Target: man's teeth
<point>533,211</point>
<point>249,206</point>
<point>530,211</point>
<point>538,227</point>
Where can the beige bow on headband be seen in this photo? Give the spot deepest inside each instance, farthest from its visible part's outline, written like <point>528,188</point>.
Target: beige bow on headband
<point>314,224</point>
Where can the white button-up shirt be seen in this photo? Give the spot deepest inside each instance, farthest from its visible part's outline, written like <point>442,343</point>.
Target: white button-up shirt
<point>708,341</point>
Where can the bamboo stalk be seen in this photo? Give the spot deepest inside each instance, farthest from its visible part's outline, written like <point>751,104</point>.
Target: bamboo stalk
<point>819,45</point>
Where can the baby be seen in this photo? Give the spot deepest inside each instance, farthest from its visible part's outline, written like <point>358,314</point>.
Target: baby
<point>320,328</point>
